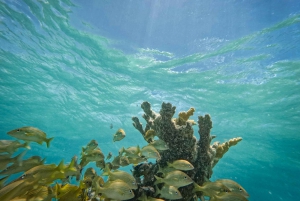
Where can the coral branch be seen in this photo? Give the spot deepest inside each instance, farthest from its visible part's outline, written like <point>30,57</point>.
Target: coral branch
<point>221,149</point>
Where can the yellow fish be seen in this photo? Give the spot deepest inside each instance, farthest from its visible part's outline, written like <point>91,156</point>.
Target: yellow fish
<point>5,160</point>
<point>165,170</point>
<point>234,187</point>
<point>150,152</point>
<point>90,146</point>
<point>149,135</point>
<point>100,164</point>
<point>168,192</point>
<point>90,172</point>
<point>10,146</point>
<point>133,152</point>
<point>119,135</point>
<point>159,144</point>
<point>120,175</point>
<point>228,196</point>
<point>26,165</point>
<point>16,189</point>
<point>29,133</point>
<point>136,161</point>
<point>117,190</point>
<point>181,165</point>
<point>175,178</point>
<point>211,188</point>
<point>124,161</point>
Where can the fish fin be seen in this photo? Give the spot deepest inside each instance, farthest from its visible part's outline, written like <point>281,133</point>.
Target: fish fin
<point>48,141</point>
<point>43,161</point>
<point>158,180</point>
<point>26,145</point>
<point>19,158</point>
<point>60,166</point>
<point>169,164</point>
<point>106,171</point>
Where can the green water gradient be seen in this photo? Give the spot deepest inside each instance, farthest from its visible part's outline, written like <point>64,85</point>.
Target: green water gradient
<point>73,84</point>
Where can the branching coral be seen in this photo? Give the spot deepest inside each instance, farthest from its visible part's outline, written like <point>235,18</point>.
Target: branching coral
<point>178,135</point>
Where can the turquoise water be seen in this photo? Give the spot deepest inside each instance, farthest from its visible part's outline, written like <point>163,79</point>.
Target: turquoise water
<point>63,74</point>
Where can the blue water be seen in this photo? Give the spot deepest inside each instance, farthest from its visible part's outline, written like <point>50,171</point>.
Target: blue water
<point>73,68</point>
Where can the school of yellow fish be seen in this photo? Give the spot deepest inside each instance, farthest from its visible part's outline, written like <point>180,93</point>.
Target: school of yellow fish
<point>46,182</point>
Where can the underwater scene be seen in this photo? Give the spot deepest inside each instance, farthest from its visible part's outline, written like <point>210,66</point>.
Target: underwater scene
<point>149,100</point>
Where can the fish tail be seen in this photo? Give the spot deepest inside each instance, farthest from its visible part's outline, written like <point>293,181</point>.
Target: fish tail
<point>72,166</point>
<point>106,171</point>
<point>158,180</point>
<point>19,158</point>
<point>26,145</point>
<point>197,188</point>
<point>43,161</point>
<point>48,141</point>
<point>60,166</point>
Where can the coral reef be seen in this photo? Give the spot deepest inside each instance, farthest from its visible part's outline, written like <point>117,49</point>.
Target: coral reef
<point>182,169</point>
<point>179,136</point>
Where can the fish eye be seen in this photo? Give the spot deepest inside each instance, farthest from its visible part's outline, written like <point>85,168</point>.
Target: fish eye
<point>130,191</point>
<point>176,192</point>
<point>23,176</point>
<point>185,177</point>
<point>240,189</point>
<point>18,130</point>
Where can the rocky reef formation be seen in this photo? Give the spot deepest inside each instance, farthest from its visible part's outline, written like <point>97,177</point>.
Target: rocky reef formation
<point>178,133</point>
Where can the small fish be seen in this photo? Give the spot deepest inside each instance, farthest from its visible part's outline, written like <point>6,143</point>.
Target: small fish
<point>168,192</point>
<point>133,152</point>
<point>119,135</point>
<point>149,135</point>
<point>99,180</point>
<point>210,188</point>
<point>29,133</point>
<point>10,146</point>
<point>124,161</point>
<point>118,190</point>
<point>93,156</point>
<point>90,172</point>
<point>100,164</point>
<point>165,170</point>
<point>175,178</point>
<point>109,155</point>
<point>116,161</point>
<point>136,161</point>
<point>5,160</point>
<point>234,187</point>
<point>120,175</point>
<point>111,126</point>
<point>181,165</point>
<point>90,146</point>
<point>26,165</point>
<point>159,144</point>
<point>228,196</point>
<point>150,152</point>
